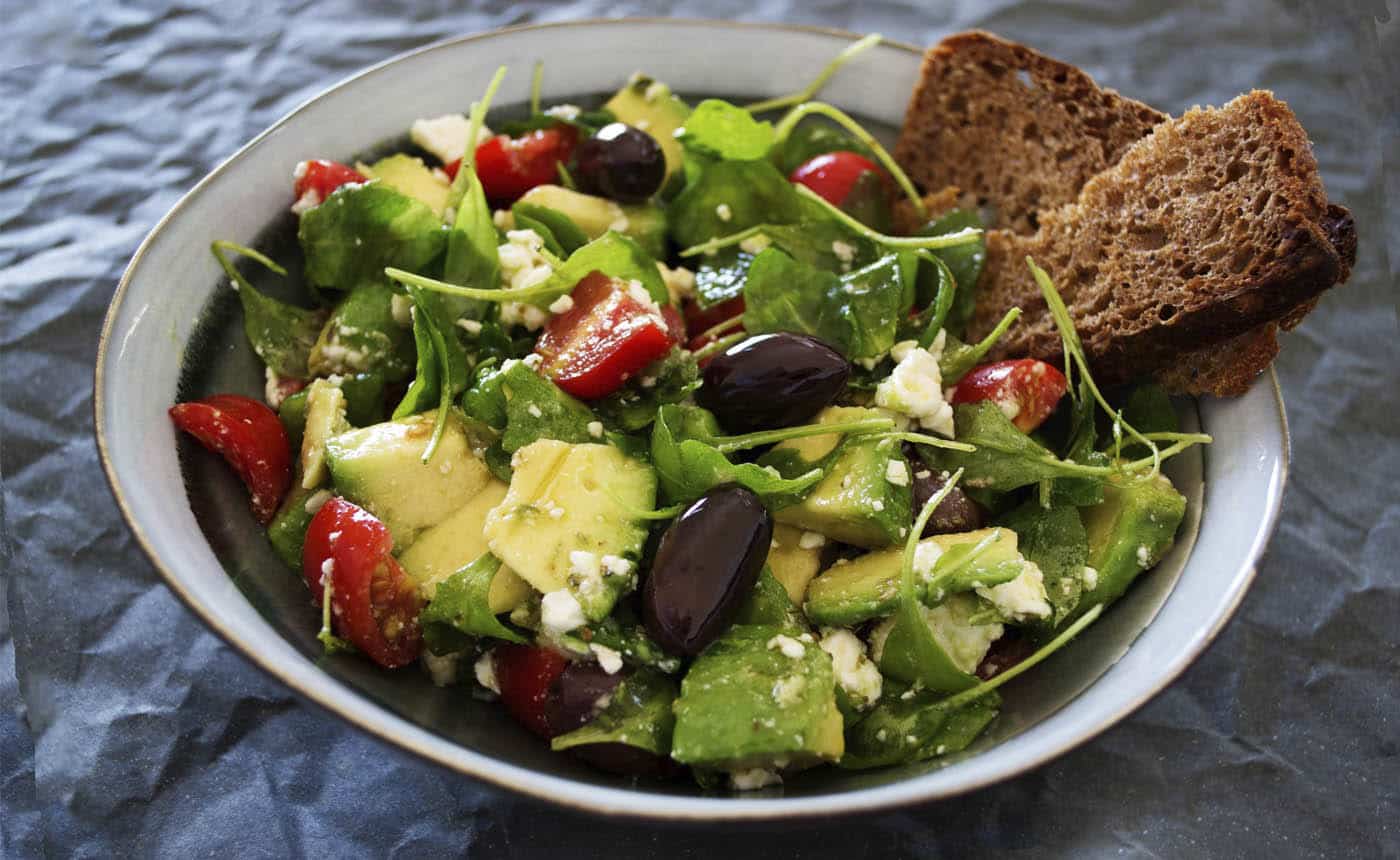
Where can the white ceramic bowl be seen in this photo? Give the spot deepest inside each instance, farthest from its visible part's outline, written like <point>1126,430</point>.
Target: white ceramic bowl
<point>173,324</point>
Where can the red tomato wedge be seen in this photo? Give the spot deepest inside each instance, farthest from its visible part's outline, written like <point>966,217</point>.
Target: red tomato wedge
<point>525,675</point>
<point>1027,390</point>
<point>374,605</point>
<point>612,331</point>
<point>250,437</point>
<point>833,174</point>
<point>323,177</point>
<point>510,166</point>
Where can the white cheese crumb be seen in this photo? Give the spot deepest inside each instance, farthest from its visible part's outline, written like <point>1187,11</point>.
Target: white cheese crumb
<point>272,389</point>
<point>897,473</point>
<point>1091,578</point>
<point>616,565</point>
<point>610,660</point>
<point>327,569</point>
<point>811,540</point>
<point>586,570</point>
<point>723,212</point>
<point>877,505</point>
<point>562,305</point>
<point>485,669</point>
<point>533,361</point>
<point>844,251</point>
<point>1144,555</point>
<point>901,350</point>
<point>755,244</point>
<point>680,281</point>
<point>309,199</point>
<point>926,555</point>
<point>443,670</point>
<point>788,691</point>
<point>915,388</point>
<point>534,411</point>
<point>560,612</point>
<point>564,111</point>
<point>1022,598</point>
<point>854,671</point>
<point>472,327</point>
<point>789,646</point>
<point>316,500</point>
<point>754,778</point>
<point>401,308</point>
<point>595,429</point>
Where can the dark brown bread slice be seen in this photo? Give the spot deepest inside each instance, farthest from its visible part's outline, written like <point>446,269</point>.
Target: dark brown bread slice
<point>1210,227</point>
<point>1021,131</point>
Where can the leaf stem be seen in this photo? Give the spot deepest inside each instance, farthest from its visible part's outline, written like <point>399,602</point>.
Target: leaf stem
<point>218,246</point>
<point>719,242</point>
<point>436,286</point>
<point>931,441</point>
<point>965,236</point>
<point>727,444</point>
<point>841,118</point>
<point>536,84</point>
<point>719,345</point>
<point>850,51</point>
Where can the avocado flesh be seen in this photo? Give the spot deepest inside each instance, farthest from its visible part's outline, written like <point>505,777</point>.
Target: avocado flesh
<point>647,104</point>
<point>744,704</point>
<point>443,549</point>
<point>381,469</point>
<point>409,175</point>
<point>565,499</point>
<point>644,222</point>
<point>792,564</point>
<point>868,587</point>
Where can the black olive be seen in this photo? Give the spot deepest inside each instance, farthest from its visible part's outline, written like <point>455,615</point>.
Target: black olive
<point>578,695</point>
<point>620,162</point>
<point>772,380</point>
<point>956,513</point>
<point>706,565</point>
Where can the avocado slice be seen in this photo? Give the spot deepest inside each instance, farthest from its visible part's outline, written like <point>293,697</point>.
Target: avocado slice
<point>794,559</point>
<point>411,176</point>
<point>443,549</point>
<point>381,469</point>
<point>325,417</point>
<point>568,521</point>
<point>748,703</point>
<point>856,502</point>
<point>868,587</point>
<point>1129,532</point>
<point>643,222</point>
<point>647,104</point>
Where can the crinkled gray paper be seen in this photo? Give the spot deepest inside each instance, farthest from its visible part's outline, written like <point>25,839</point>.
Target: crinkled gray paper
<point>128,729</point>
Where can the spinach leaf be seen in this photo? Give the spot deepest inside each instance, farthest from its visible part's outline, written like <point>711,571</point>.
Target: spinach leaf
<point>613,254</point>
<point>718,129</point>
<point>362,335</point>
<point>813,137</point>
<point>964,261</point>
<point>901,730</point>
<point>360,229</point>
<point>868,202</point>
<point>858,314</point>
<point>461,608</point>
<point>525,407</point>
<point>688,466</point>
<point>552,225</point>
<point>669,379</point>
<point>1005,457</point>
<point>749,193</point>
<point>1053,538</point>
<point>281,334</point>
<point>958,357</point>
<point>721,275</point>
<point>638,715</point>
<point>1148,408</point>
<point>624,633</point>
<point>422,393</point>
<point>442,371</point>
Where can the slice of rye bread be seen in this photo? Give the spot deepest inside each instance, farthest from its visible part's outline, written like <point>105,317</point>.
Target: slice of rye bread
<point>1017,130</point>
<point>1214,225</point>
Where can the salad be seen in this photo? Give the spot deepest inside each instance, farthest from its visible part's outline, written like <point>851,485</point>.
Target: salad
<point>641,420</point>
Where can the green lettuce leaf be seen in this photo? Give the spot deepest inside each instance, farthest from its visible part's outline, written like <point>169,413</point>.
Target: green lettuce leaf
<point>964,261</point>
<point>360,229</point>
<point>749,193</point>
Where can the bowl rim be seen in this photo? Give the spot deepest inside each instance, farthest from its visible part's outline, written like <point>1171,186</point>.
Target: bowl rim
<point>583,797</point>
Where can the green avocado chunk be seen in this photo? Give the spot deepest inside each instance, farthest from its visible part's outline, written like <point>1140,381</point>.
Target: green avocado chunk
<point>381,469</point>
<point>856,502</point>
<point>747,702</point>
<point>409,175</point>
<point>287,531</point>
<point>648,104</point>
<point>644,222</point>
<point>1129,532</point>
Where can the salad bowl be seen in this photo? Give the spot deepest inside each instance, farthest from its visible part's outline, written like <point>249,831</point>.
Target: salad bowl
<point>161,344</point>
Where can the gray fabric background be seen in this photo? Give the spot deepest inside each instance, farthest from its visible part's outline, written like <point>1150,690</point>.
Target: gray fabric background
<point>127,729</point>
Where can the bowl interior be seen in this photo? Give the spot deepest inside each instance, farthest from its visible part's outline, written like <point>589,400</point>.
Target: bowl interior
<point>165,344</point>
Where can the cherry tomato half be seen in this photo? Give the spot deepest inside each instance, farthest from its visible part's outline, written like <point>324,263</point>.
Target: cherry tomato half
<point>609,334</point>
<point>525,675</point>
<point>834,174</point>
<point>250,437</point>
<point>1027,390</point>
<point>322,177</point>
<point>510,166</point>
<point>374,604</point>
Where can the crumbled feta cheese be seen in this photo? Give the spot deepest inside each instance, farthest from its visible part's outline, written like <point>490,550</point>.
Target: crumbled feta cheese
<point>915,388</point>
<point>401,308</point>
<point>564,111</point>
<point>755,244</point>
<point>1144,556</point>
<point>926,555</point>
<point>595,429</point>
<point>1022,598</point>
<point>523,265</point>
<point>844,251</point>
<point>877,505</point>
<point>533,361</point>
<point>485,670</point>
<point>586,571</point>
<point>811,540</point>
<point>723,212</point>
<point>443,670</point>
<point>610,660</point>
<point>897,473</point>
<point>680,281</point>
<point>272,389</point>
<point>520,313</point>
<point>1009,407</point>
<point>965,644</point>
<point>753,779</point>
<point>445,137</point>
<point>901,350</point>
<point>471,327</point>
<point>560,612</point>
<point>1091,578</point>
<point>788,691</point>
<point>854,671</point>
<point>788,645</point>
<point>654,91</point>
<point>616,565</point>
<point>648,381</point>
<point>316,500</point>
<point>502,219</point>
<point>309,199</point>
<point>562,305</point>
<point>327,569</point>
<point>535,411</point>
<point>620,224</point>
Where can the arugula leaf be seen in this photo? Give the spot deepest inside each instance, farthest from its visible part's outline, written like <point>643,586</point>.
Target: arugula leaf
<point>900,730</point>
<point>965,262</point>
<point>958,357</point>
<point>1053,538</point>
<point>587,121</point>
<point>858,314</point>
<point>750,193</point>
<point>638,715</point>
<point>446,370</point>
<point>718,129</point>
<point>281,334</point>
<point>525,407</point>
<point>551,224</point>
<point>613,254</point>
<point>461,607</point>
<point>1005,458</point>
<point>687,466</point>
<point>669,379</point>
<point>360,229</point>
<point>1149,408</point>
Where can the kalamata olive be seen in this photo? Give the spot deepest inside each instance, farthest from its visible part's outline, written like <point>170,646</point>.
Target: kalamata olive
<point>772,380</point>
<point>705,566</point>
<point>620,162</point>
<point>1013,647</point>
<point>577,695</point>
<point>627,760</point>
<point>956,513</point>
